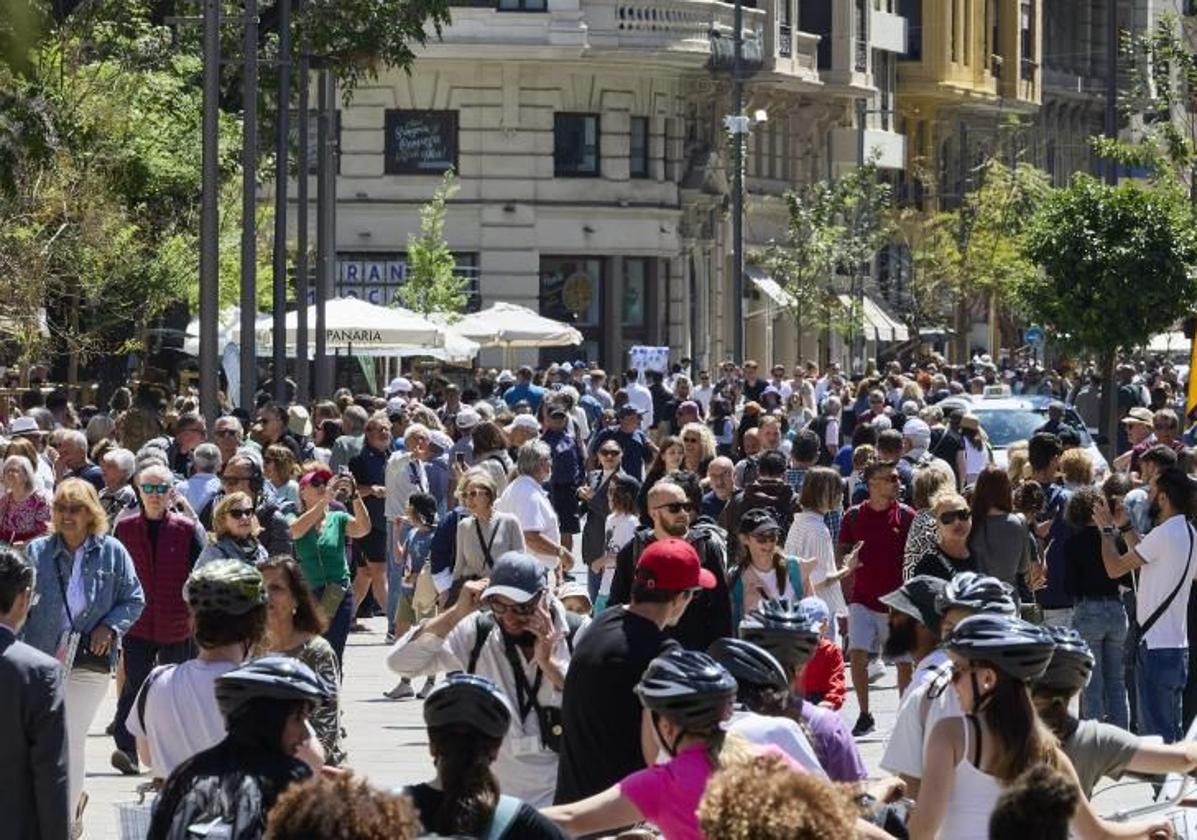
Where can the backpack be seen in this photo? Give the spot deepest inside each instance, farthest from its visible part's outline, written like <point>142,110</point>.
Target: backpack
<point>485,622</point>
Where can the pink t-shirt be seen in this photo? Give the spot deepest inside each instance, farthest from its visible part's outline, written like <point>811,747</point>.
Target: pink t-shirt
<point>668,794</point>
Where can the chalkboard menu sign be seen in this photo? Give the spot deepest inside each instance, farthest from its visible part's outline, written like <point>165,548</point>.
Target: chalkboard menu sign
<point>420,142</point>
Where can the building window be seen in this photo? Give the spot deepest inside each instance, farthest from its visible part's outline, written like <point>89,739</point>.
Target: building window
<point>862,36</point>
<point>571,290</point>
<point>638,148</point>
<point>1026,35</point>
<point>955,34</point>
<point>575,145</point>
<point>419,142</point>
<point>523,5</point>
<point>814,17</point>
<point>912,10</point>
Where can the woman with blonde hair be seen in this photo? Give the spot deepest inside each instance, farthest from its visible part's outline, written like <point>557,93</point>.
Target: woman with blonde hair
<point>950,555</point>
<point>236,530</point>
<point>1076,467</point>
<point>485,534</point>
<point>88,597</point>
<point>698,448</point>
<point>283,471</point>
<point>24,505</point>
<point>929,481</point>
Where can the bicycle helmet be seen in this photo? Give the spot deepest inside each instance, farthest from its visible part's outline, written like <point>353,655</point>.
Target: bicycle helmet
<point>977,592</point>
<point>787,631</point>
<point>271,677</point>
<point>1018,648</point>
<point>225,586</point>
<point>1071,664</point>
<point>690,688</point>
<point>749,664</point>
<point>468,700</point>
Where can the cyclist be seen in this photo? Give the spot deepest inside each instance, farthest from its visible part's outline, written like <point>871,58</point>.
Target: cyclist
<point>688,696</point>
<point>929,699</point>
<point>228,789</point>
<point>971,759</point>
<point>467,719</point>
<point>1095,748</point>
<point>175,714</point>
<point>791,634</point>
<point>762,694</point>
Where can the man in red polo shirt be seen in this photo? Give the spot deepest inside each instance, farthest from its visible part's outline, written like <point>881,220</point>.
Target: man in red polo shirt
<point>876,529</point>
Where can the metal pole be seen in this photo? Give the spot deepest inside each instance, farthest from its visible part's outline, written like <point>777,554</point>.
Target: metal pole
<point>738,188</point>
<point>858,336</point>
<point>324,199</point>
<point>209,302</point>
<point>1111,166</point>
<point>302,366</point>
<point>249,205</point>
<point>281,174</point>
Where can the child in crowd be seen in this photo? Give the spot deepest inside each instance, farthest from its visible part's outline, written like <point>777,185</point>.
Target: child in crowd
<point>621,526</point>
<point>575,597</point>
<point>821,680</point>
<point>417,601</point>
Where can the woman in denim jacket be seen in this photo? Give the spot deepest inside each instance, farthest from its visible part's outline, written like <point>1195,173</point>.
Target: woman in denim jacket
<point>86,584</point>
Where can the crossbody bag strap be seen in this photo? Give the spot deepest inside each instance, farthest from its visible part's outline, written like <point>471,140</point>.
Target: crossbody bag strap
<point>486,546</point>
<point>1163,608</point>
<point>525,693</point>
<point>62,588</point>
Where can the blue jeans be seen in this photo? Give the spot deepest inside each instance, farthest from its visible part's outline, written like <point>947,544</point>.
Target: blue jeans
<point>1162,673</point>
<point>394,577</point>
<point>1103,625</point>
<point>337,633</point>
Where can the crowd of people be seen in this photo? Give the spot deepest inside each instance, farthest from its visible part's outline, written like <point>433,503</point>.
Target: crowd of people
<point>625,606</point>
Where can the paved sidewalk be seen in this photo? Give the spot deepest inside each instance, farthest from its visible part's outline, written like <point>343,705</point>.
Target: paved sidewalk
<point>386,739</point>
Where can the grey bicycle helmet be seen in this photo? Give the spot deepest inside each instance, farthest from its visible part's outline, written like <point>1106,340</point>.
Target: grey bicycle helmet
<point>271,677</point>
<point>225,586</point>
<point>689,688</point>
<point>749,664</point>
<point>468,700</point>
<point>977,592</point>
<point>1071,664</point>
<point>1020,649</point>
<point>787,631</point>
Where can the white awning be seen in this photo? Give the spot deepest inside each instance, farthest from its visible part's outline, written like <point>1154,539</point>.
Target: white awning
<point>772,289</point>
<point>877,324</point>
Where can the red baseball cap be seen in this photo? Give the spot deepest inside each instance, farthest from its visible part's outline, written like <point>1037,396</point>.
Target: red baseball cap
<point>672,564</point>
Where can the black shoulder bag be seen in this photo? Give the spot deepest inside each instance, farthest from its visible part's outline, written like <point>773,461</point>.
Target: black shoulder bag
<point>1167,602</point>
<point>84,659</point>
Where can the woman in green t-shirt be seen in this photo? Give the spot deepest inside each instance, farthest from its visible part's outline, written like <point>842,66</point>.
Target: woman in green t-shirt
<point>319,535</point>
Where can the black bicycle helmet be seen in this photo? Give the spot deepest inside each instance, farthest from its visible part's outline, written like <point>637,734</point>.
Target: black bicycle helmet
<point>977,592</point>
<point>1020,649</point>
<point>1071,664</point>
<point>225,586</point>
<point>272,677</point>
<point>690,688</point>
<point>787,631</point>
<point>468,700</point>
<point>749,664</point>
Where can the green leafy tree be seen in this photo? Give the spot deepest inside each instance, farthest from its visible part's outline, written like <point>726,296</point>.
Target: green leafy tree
<point>432,284</point>
<point>1117,265</point>
<point>835,228</point>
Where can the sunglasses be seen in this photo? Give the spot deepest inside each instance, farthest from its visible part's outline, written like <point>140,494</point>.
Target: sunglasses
<point>475,493</point>
<point>691,440</point>
<point>226,433</point>
<point>610,453</point>
<point>951,517</point>
<point>675,507</point>
<point>525,610</point>
<point>234,479</point>
<point>155,489</point>
<point>765,537</point>
<point>241,513</point>
<point>64,507</point>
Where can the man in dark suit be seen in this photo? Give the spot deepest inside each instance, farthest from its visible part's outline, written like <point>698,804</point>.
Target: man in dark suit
<point>33,776</point>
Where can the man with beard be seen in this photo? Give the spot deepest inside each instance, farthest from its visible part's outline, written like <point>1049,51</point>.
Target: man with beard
<point>708,615</point>
<point>523,644</point>
<point>914,626</point>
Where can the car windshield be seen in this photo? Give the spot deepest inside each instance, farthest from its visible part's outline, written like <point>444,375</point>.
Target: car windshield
<point>1005,426</point>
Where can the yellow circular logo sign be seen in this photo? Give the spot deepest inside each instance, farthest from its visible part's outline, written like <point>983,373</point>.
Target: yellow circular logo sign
<point>577,293</point>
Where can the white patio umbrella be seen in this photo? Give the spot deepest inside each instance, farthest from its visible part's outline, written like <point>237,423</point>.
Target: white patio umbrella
<point>509,325</point>
<point>364,328</point>
<point>227,321</point>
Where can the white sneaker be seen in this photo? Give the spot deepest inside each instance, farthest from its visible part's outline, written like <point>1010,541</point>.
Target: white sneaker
<point>876,670</point>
